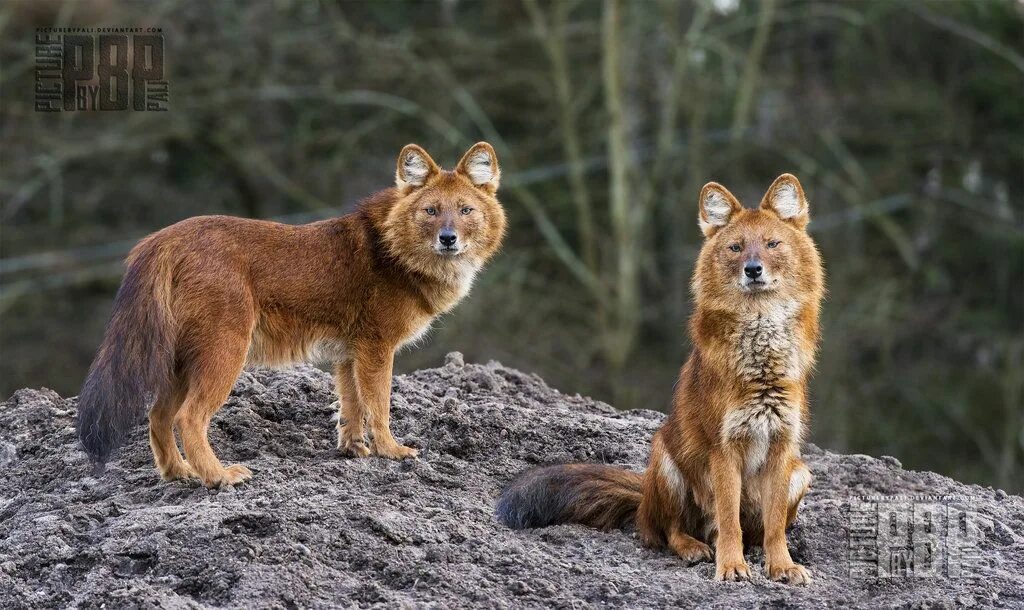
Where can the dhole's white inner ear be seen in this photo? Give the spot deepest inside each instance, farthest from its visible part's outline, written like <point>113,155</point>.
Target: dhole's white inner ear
<point>786,201</point>
<point>717,209</point>
<point>415,169</point>
<point>480,168</point>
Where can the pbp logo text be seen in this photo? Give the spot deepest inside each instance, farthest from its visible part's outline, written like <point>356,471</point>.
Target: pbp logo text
<point>100,71</point>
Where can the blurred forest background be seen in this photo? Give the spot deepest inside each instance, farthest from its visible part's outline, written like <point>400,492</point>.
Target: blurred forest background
<point>903,119</point>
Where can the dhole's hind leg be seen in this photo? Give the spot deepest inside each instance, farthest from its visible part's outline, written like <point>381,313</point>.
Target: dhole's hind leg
<point>799,483</point>
<point>351,434</point>
<point>161,434</point>
<point>665,504</point>
<point>211,375</point>
<point>687,547</point>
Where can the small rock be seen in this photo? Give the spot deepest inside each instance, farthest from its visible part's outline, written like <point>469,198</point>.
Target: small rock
<point>1000,494</point>
<point>454,360</point>
<point>7,453</point>
<point>519,588</point>
<point>888,459</point>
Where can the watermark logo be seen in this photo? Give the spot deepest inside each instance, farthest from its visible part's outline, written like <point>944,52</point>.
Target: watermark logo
<point>104,69</point>
<point>914,537</point>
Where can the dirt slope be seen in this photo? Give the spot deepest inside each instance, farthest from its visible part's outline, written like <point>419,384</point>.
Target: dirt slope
<point>314,529</point>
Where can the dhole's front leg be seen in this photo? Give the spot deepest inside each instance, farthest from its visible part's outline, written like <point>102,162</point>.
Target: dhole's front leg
<point>350,434</point>
<point>373,369</point>
<point>775,508</point>
<point>727,486</point>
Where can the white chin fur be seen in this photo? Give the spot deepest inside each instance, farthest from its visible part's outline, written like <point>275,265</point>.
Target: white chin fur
<point>438,249</point>
<point>752,287</point>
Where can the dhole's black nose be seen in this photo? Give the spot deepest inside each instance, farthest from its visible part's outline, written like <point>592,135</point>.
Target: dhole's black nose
<point>752,269</point>
<point>447,237</point>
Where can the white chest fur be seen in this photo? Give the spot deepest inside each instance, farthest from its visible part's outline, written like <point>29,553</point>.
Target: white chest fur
<point>765,346</point>
<point>417,334</point>
<point>766,353</point>
<point>443,299</point>
<point>463,283</point>
<point>455,287</point>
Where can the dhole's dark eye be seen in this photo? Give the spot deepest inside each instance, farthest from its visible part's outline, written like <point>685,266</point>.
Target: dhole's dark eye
<point>430,211</point>
<point>735,247</point>
<point>773,243</point>
<point>466,211</point>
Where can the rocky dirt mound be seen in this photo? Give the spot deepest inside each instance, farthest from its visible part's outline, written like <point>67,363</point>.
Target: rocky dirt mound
<point>316,529</point>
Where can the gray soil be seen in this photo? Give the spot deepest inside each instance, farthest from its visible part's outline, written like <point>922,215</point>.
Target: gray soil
<point>315,529</point>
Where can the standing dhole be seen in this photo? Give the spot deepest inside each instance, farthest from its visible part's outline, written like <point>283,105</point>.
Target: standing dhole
<point>725,467</point>
<point>204,297</point>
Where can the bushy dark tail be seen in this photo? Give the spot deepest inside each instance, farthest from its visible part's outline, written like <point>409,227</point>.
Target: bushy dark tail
<point>589,494</point>
<point>135,359</point>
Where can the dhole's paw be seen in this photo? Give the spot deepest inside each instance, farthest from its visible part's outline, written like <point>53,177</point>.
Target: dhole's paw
<point>232,475</point>
<point>351,442</point>
<point>354,447</point>
<point>732,570</point>
<point>794,573</point>
<point>394,451</point>
<point>179,471</point>
<point>692,551</point>
<point>695,553</point>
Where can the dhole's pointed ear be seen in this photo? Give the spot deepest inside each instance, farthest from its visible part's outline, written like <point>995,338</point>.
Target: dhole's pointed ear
<point>415,167</point>
<point>786,198</point>
<point>480,165</point>
<point>717,208</point>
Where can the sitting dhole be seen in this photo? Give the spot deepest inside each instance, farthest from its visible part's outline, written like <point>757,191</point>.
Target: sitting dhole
<point>204,297</point>
<point>725,467</point>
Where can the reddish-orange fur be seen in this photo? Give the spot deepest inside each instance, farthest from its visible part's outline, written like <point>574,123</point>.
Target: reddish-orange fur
<point>725,467</point>
<point>351,290</point>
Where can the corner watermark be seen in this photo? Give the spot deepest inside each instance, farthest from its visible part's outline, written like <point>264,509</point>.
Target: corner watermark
<point>918,536</point>
<point>100,69</point>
